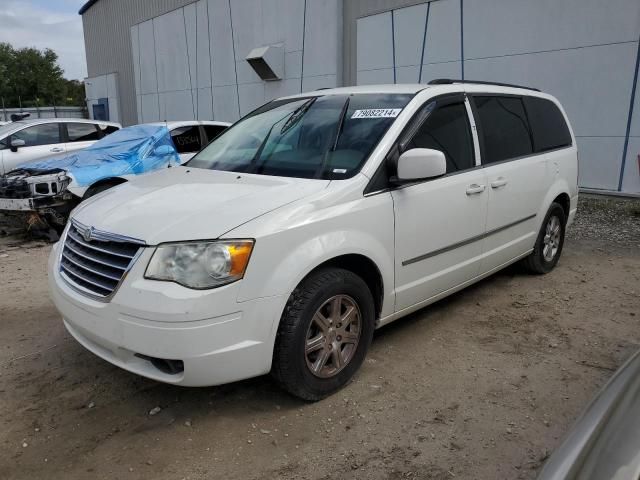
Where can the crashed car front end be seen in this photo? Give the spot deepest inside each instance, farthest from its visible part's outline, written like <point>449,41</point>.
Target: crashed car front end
<point>43,193</point>
<point>41,196</point>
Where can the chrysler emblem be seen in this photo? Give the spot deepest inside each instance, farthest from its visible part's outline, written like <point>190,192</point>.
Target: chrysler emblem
<point>87,234</point>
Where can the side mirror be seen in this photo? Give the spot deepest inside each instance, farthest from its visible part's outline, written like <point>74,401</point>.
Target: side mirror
<point>420,164</point>
<point>163,151</point>
<point>17,143</point>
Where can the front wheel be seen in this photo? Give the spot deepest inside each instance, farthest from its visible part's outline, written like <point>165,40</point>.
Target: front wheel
<point>324,334</point>
<point>549,243</point>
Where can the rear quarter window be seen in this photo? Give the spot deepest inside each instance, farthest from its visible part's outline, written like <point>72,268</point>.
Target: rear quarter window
<point>82,132</point>
<point>548,126</point>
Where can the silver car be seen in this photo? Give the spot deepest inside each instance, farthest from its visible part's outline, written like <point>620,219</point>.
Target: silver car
<point>604,444</point>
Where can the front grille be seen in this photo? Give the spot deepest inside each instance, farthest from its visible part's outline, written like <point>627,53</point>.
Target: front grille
<point>96,266</point>
<point>14,187</point>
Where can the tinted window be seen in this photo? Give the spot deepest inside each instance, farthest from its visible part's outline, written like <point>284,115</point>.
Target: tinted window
<point>82,132</point>
<point>45,134</point>
<point>447,129</point>
<point>186,139</point>
<point>213,131</point>
<point>547,124</point>
<point>504,128</point>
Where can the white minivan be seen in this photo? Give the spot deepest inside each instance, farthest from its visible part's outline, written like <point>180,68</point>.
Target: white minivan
<point>309,223</point>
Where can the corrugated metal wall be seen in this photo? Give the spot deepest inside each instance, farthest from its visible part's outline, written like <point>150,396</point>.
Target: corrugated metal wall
<point>107,38</point>
<point>585,52</point>
<point>190,62</point>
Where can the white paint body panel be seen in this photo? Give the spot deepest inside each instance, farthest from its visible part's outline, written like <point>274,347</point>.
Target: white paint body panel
<point>228,333</point>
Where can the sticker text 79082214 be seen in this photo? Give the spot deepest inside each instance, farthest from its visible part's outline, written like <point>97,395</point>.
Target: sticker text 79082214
<point>377,113</point>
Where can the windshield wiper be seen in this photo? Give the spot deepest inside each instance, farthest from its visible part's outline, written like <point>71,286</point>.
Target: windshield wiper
<point>325,157</point>
<point>294,118</point>
<point>297,115</point>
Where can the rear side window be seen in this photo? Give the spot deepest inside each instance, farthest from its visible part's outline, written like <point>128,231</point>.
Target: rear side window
<point>547,124</point>
<point>82,132</point>
<point>213,131</point>
<point>504,128</point>
<point>447,129</point>
<point>186,139</point>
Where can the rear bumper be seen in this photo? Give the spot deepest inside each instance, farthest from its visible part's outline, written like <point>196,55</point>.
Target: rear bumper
<point>218,340</point>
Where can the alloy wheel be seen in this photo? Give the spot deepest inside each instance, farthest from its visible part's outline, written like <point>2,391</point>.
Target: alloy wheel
<point>333,335</point>
<point>552,238</point>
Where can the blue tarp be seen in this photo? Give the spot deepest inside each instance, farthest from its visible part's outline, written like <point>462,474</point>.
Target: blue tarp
<point>129,151</point>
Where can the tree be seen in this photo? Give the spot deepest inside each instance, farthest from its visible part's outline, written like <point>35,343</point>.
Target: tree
<point>31,77</point>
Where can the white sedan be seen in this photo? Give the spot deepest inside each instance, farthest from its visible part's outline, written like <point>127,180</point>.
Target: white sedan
<point>28,140</point>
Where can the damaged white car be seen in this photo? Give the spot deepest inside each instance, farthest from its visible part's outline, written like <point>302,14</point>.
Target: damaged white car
<point>46,191</point>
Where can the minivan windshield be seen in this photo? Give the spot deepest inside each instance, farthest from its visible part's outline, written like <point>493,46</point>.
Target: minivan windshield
<point>325,137</point>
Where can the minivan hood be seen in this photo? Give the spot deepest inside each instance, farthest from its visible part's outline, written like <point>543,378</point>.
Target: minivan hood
<point>183,203</point>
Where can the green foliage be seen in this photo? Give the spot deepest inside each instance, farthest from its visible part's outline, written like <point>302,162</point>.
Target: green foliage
<point>33,78</point>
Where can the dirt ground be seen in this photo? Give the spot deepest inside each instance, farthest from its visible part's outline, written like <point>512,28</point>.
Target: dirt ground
<point>482,385</point>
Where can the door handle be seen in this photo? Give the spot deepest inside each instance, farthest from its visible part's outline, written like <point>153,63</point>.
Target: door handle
<point>57,149</point>
<point>499,182</point>
<point>474,189</point>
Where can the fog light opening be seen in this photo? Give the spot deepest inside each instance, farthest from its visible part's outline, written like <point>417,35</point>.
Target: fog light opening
<point>170,367</point>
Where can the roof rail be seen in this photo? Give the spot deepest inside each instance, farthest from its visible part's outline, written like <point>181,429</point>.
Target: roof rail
<point>449,81</point>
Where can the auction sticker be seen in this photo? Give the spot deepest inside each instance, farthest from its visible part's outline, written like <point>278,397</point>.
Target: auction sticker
<point>377,113</point>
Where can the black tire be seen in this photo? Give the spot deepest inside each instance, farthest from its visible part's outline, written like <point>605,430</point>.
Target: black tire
<point>536,261</point>
<point>290,368</point>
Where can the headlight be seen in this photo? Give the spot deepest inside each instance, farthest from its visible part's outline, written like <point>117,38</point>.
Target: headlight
<point>200,264</point>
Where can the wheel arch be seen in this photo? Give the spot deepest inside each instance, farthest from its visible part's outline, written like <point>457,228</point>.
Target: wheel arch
<point>362,266</point>
<point>113,181</point>
<point>565,202</point>
<point>559,193</point>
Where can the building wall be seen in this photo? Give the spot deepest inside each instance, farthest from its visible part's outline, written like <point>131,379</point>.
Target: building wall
<point>190,62</point>
<point>100,87</point>
<point>585,52</point>
<point>107,38</point>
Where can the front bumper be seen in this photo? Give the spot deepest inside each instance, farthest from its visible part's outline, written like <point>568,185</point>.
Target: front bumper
<point>17,204</point>
<point>217,339</point>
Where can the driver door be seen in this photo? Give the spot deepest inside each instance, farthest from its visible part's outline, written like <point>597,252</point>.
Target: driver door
<point>440,223</point>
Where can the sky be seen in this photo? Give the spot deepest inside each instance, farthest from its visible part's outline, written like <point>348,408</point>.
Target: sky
<point>53,24</point>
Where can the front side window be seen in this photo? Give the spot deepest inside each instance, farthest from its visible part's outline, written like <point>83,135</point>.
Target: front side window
<point>327,137</point>
<point>45,134</point>
<point>186,139</point>
<point>82,132</point>
<point>504,128</point>
<point>447,129</point>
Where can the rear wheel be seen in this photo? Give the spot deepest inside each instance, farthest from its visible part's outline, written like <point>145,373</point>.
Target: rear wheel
<point>324,334</point>
<point>549,243</point>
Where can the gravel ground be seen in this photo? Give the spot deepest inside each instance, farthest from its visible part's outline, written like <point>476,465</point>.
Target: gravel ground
<point>614,219</point>
<point>481,385</point>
